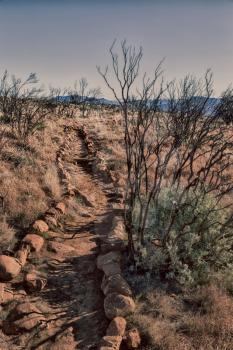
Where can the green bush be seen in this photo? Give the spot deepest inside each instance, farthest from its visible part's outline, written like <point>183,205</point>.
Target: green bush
<point>192,246</point>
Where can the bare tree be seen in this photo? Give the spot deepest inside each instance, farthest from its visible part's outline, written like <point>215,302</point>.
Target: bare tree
<point>126,72</point>
<point>174,141</point>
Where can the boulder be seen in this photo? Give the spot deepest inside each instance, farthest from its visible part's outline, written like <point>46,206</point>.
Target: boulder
<point>118,305</point>
<point>112,269</point>
<point>51,221</point>
<point>23,318</point>
<point>110,343</point>
<point>109,263</point>
<point>117,327</point>
<point>115,284</point>
<point>52,212</point>
<point>132,339</point>
<point>35,242</point>
<point>6,295</point>
<point>116,240</point>
<point>61,207</point>
<point>40,226</point>
<point>61,248</point>
<point>33,282</point>
<point>9,267</point>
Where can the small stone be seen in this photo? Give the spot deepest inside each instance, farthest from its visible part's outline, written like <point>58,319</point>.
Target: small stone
<point>61,248</point>
<point>6,295</point>
<point>109,263</point>
<point>51,221</point>
<point>110,342</point>
<point>117,327</point>
<point>52,212</point>
<point>61,207</point>
<point>115,284</point>
<point>118,305</point>
<point>132,339</point>
<point>9,267</point>
<point>40,226</point>
<point>35,242</point>
<point>22,255</point>
<point>33,282</point>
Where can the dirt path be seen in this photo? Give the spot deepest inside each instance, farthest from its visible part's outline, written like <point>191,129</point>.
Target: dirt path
<point>72,300</point>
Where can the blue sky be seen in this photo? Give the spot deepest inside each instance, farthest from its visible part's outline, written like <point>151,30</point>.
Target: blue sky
<point>65,40</point>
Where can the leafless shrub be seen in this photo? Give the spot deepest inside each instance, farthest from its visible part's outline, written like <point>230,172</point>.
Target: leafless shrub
<point>22,105</point>
<point>68,101</point>
<point>183,146</point>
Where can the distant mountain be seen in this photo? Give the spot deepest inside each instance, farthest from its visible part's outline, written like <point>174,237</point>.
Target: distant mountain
<point>162,104</point>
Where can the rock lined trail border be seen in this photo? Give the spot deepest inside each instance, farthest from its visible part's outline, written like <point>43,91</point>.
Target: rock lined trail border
<point>83,302</point>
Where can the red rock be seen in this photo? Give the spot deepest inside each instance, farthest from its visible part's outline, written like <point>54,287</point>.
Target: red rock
<point>61,207</point>
<point>61,248</point>
<point>40,226</point>
<point>116,240</point>
<point>118,305</point>
<point>117,327</point>
<point>51,221</point>
<point>22,255</point>
<point>33,282</point>
<point>110,343</point>
<point>52,212</point>
<point>35,242</point>
<point>115,284</point>
<point>109,263</point>
<point>6,294</point>
<point>9,267</point>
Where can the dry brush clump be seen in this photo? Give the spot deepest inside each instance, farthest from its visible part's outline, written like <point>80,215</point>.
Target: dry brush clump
<point>22,106</point>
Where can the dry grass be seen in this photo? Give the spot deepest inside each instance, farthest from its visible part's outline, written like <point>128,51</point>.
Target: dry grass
<point>28,175</point>
<point>200,320</point>
<point>52,182</point>
<point>7,234</point>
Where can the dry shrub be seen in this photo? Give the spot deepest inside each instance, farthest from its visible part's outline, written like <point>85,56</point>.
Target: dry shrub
<point>7,234</point>
<point>52,183</point>
<point>211,326</point>
<point>201,320</point>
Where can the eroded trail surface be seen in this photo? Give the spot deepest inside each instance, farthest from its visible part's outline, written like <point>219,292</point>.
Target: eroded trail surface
<point>74,281</point>
<point>72,300</point>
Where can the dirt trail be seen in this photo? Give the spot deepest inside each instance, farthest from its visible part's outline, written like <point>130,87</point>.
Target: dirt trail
<point>72,297</point>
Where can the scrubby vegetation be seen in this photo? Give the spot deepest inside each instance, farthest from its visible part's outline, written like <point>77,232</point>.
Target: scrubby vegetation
<point>178,207</point>
<point>171,154</point>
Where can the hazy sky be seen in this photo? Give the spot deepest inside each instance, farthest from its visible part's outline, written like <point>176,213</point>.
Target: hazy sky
<point>63,40</point>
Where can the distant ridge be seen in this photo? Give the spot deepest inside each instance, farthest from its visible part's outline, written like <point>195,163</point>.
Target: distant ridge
<point>163,103</point>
